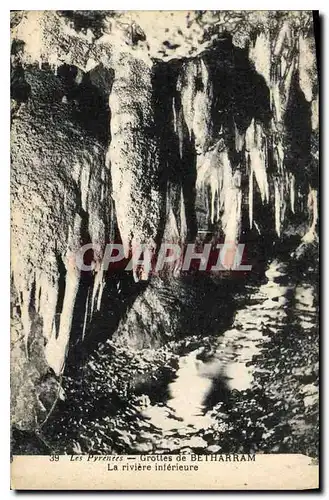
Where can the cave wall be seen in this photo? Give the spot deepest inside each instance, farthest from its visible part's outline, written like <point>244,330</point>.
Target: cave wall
<point>183,127</point>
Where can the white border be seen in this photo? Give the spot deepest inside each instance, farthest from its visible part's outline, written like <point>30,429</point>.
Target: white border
<point>4,184</point>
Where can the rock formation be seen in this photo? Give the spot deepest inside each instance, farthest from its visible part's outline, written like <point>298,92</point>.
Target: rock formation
<point>140,128</point>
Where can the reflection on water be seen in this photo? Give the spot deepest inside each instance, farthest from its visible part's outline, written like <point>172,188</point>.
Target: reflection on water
<point>204,377</point>
<point>186,395</point>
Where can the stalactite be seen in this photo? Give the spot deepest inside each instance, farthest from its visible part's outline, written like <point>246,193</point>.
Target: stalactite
<point>277,197</point>
<point>251,198</point>
<point>195,86</point>
<point>231,219</point>
<point>282,70</point>
<point>86,315</point>
<point>171,232</point>
<point>239,139</point>
<point>183,223</point>
<point>174,233</point>
<point>260,55</point>
<point>134,156</point>
<point>256,151</point>
<point>308,84</point>
<point>307,67</point>
<point>25,315</point>
<point>97,292</point>
<point>215,171</point>
<point>186,87</point>
<point>312,202</point>
<point>274,59</point>
<point>59,210</point>
<point>48,302</point>
<point>56,348</point>
<point>292,193</point>
<point>210,174</point>
<point>202,107</point>
<point>84,185</point>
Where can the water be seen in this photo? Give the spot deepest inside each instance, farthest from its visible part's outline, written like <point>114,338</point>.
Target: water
<point>283,306</point>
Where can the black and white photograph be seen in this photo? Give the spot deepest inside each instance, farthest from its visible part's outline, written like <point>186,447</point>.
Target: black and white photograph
<point>164,199</point>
